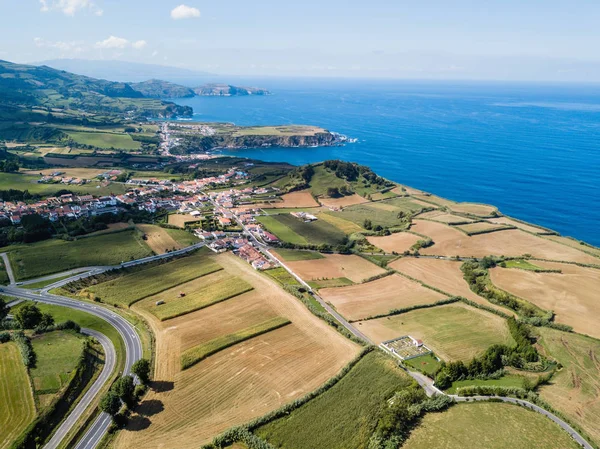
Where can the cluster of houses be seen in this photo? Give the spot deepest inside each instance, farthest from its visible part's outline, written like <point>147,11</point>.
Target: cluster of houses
<point>56,178</point>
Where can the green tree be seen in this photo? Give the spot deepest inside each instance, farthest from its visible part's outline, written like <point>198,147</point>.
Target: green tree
<point>28,316</point>
<point>3,309</point>
<point>141,369</point>
<point>124,388</point>
<point>47,320</point>
<point>110,403</point>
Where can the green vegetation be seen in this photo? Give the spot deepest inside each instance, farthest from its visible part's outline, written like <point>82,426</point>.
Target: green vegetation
<point>133,287</point>
<point>182,237</point>
<point>330,283</point>
<point>522,264</point>
<point>504,381</point>
<point>52,256</point>
<point>344,416</point>
<point>17,407</point>
<point>207,295</point>
<point>427,364</point>
<point>42,284</point>
<point>290,255</point>
<point>198,353</point>
<point>282,276</point>
<point>489,425</point>
<point>27,182</point>
<point>57,354</point>
<point>386,214</point>
<point>105,140</point>
<point>292,230</point>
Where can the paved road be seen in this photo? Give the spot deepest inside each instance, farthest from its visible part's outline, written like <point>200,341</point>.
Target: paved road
<point>89,396</point>
<point>9,271</point>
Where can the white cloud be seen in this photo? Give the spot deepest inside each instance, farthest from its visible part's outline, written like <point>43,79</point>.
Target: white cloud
<point>184,12</point>
<point>138,45</point>
<point>70,7</point>
<point>71,47</point>
<point>113,42</point>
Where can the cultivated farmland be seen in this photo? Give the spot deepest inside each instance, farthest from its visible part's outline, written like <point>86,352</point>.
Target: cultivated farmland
<point>345,416</point>
<point>480,210</point>
<point>333,266</point>
<point>512,242</point>
<point>180,220</point>
<point>379,297</point>
<point>53,256</point>
<point>243,381</point>
<point>383,213</point>
<point>132,287</point>
<point>490,426</point>
<point>301,198</point>
<point>444,275</point>
<point>444,217</point>
<point>343,201</point>
<point>398,242</point>
<point>294,230</point>
<point>158,239</point>
<point>481,227</point>
<point>347,227</point>
<point>517,224</point>
<point>572,294</point>
<point>454,331</point>
<point>16,400</point>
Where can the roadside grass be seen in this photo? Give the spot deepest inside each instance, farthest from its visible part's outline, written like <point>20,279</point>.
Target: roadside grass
<point>200,352</point>
<point>42,284</point>
<point>210,290</point>
<point>282,276</point>
<point>522,264</point>
<point>315,233</point>
<point>383,213</point>
<point>282,231</point>
<point>105,140</point>
<point>130,288</point>
<point>57,354</point>
<point>53,256</point>
<point>17,407</point>
<point>344,416</point>
<point>290,255</point>
<point>427,364</point>
<point>490,425</point>
<point>330,283</point>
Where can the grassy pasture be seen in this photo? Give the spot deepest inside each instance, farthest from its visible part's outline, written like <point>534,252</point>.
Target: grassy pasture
<point>293,230</point>
<point>53,256</point>
<point>160,240</point>
<point>282,276</point>
<point>322,180</point>
<point>17,408</point>
<point>105,140</point>
<point>488,425</point>
<point>330,283</point>
<point>132,287</point>
<point>57,356</point>
<point>200,352</point>
<point>346,226</point>
<point>290,255</point>
<point>453,331</point>
<point>574,390</point>
<point>201,293</point>
<point>20,181</point>
<point>427,364</point>
<point>383,213</point>
<point>522,264</point>
<point>344,416</point>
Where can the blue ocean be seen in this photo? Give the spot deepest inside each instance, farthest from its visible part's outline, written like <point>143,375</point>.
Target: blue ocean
<point>531,150</point>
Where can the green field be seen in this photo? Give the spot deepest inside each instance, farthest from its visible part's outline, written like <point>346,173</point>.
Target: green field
<point>322,179</point>
<point>382,213</point>
<point>293,230</point>
<point>57,354</point>
<point>130,288</point>
<point>17,407</point>
<point>490,426</point>
<point>212,291</point>
<point>105,140</point>
<point>345,416</point>
<point>505,381</point>
<point>282,276</point>
<point>198,353</point>
<point>291,255</point>
<point>182,237</point>
<point>53,256</point>
<point>453,332</point>
<point>427,364</point>
<point>330,283</point>
<point>19,181</point>
<point>522,264</point>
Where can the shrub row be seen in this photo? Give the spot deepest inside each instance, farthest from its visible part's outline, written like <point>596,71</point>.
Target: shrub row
<point>27,352</point>
<point>65,325</point>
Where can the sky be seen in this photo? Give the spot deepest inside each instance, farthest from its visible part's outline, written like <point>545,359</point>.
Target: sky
<point>545,40</point>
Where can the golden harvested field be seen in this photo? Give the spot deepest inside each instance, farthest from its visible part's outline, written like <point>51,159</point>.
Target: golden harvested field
<point>344,201</point>
<point>333,266</point>
<point>199,293</point>
<point>517,224</point>
<point>444,217</point>
<point>158,239</point>
<point>181,219</point>
<point>574,244</point>
<point>357,302</point>
<point>301,198</point>
<point>443,274</point>
<point>346,226</point>
<point>575,389</point>
<point>513,242</point>
<point>480,227</point>
<point>572,294</point>
<point>408,190</point>
<point>17,409</point>
<point>399,241</point>
<point>241,382</point>
<point>481,210</point>
<point>454,331</point>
